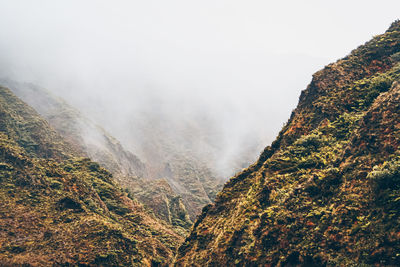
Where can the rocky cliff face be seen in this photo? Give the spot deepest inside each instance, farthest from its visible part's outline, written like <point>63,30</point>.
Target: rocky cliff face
<point>326,192</point>
<point>58,208</point>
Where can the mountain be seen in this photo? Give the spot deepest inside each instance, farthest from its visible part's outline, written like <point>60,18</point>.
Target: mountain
<point>327,191</point>
<point>59,208</point>
<point>96,143</point>
<point>72,125</point>
<point>183,178</point>
<point>169,147</point>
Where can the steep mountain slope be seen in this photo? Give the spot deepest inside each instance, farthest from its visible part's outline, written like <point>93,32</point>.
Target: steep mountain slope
<point>326,192</point>
<point>100,146</point>
<point>182,177</point>
<point>65,210</point>
<point>24,126</point>
<point>91,139</point>
<point>169,150</point>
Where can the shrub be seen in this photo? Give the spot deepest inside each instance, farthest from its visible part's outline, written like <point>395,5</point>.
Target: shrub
<point>386,176</point>
<point>69,203</point>
<point>104,190</point>
<point>312,141</point>
<point>116,207</point>
<point>344,125</point>
<point>56,184</point>
<point>395,57</point>
<point>381,83</point>
<point>94,166</point>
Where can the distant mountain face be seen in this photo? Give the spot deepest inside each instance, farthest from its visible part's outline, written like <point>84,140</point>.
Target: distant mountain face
<point>83,133</point>
<point>188,151</point>
<point>184,152</point>
<point>94,142</point>
<point>58,208</point>
<point>326,192</point>
<point>162,157</point>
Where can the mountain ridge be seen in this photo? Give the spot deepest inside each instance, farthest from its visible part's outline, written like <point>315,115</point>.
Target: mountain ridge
<point>59,208</point>
<point>312,197</point>
<point>94,142</point>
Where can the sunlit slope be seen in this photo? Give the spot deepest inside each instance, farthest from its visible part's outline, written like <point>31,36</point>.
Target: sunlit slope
<point>326,192</point>
<point>60,209</point>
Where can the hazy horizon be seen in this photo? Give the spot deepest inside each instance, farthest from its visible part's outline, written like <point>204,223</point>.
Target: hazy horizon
<point>236,67</point>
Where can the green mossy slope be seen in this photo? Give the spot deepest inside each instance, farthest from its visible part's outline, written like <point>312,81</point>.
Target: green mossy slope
<point>326,192</point>
<point>58,209</point>
<point>127,169</point>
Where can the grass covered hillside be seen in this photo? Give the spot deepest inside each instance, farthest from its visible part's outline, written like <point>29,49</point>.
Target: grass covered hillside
<point>326,192</point>
<point>94,142</point>
<point>80,131</point>
<point>59,209</point>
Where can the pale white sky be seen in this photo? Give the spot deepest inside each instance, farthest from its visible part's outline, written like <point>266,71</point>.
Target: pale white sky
<point>243,62</point>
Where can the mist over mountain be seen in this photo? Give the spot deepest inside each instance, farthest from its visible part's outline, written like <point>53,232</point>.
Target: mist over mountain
<point>58,208</point>
<point>219,69</point>
<point>326,192</point>
<point>166,133</point>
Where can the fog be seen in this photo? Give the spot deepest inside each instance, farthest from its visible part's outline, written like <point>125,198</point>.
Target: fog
<point>218,78</point>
